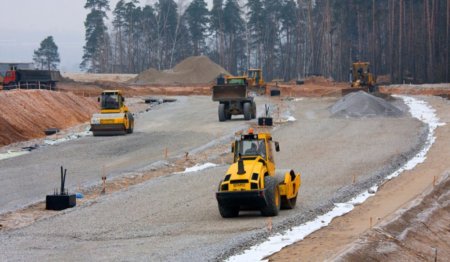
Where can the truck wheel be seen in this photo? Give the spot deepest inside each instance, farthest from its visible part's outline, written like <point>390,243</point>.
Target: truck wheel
<point>227,112</point>
<point>227,212</point>
<point>253,110</point>
<point>222,113</point>
<point>272,197</point>
<point>288,203</point>
<point>247,111</point>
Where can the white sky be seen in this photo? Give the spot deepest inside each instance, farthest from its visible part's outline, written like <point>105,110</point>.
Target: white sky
<point>25,23</point>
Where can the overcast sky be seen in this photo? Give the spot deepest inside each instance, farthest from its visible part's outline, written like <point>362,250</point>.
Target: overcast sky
<point>25,23</point>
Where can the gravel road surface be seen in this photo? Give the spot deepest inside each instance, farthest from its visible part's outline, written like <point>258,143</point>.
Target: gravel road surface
<point>175,217</point>
<point>180,126</point>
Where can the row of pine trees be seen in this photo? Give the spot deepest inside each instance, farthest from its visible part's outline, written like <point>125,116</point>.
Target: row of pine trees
<point>406,40</point>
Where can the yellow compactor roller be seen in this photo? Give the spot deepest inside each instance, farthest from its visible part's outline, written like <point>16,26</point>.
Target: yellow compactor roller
<point>114,117</point>
<point>252,181</point>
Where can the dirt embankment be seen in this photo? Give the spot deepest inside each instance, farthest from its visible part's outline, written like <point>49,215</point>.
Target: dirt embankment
<point>442,90</point>
<point>316,86</point>
<point>26,114</point>
<point>90,78</point>
<point>95,89</point>
<point>420,234</point>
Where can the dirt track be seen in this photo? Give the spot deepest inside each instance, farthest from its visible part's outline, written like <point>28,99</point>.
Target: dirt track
<point>175,217</point>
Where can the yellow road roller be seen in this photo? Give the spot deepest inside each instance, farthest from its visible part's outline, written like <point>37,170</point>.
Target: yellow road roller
<point>252,181</point>
<point>114,117</point>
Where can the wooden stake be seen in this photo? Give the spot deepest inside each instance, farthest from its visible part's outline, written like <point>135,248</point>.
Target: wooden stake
<point>165,153</point>
<point>269,224</point>
<point>434,181</point>
<point>370,222</point>
<point>354,179</point>
<point>104,185</point>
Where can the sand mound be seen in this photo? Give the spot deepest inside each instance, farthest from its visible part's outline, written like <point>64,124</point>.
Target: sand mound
<point>192,70</point>
<point>25,114</point>
<point>362,104</point>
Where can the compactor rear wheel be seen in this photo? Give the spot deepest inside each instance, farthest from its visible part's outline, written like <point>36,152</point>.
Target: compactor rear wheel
<point>272,196</point>
<point>131,127</point>
<point>288,203</point>
<point>253,110</point>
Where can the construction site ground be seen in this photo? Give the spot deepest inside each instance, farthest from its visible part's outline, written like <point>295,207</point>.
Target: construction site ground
<point>154,211</point>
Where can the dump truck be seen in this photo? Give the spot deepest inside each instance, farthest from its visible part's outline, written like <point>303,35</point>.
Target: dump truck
<point>30,79</point>
<point>361,79</point>
<point>114,117</point>
<point>234,98</point>
<point>252,182</point>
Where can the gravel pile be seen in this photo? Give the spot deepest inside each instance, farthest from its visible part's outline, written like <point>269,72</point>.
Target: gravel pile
<point>192,70</point>
<point>361,104</point>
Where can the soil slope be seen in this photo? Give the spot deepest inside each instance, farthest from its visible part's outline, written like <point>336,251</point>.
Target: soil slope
<point>420,233</point>
<point>26,114</point>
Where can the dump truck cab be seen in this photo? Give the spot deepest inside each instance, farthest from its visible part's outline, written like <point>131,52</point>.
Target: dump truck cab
<point>114,117</point>
<point>252,181</point>
<point>10,77</point>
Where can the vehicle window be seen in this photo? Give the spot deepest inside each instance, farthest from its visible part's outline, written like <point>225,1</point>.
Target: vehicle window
<point>110,101</point>
<point>252,148</point>
<point>236,81</point>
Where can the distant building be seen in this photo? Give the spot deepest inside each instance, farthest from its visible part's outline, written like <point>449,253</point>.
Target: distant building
<point>6,66</point>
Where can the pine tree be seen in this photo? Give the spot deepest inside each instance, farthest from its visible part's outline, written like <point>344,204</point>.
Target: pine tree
<point>216,28</point>
<point>234,37</point>
<point>47,56</point>
<point>168,27</point>
<point>197,20</point>
<point>119,24</point>
<point>96,57</point>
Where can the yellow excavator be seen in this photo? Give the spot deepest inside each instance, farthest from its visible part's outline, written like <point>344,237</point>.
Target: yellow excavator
<point>114,117</point>
<point>361,79</point>
<point>252,181</point>
<point>253,79</point>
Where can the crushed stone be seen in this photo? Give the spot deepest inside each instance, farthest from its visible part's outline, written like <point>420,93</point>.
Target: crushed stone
<point>361,104</point>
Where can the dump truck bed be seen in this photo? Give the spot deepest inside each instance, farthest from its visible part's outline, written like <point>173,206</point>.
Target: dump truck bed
<point>230,93</point>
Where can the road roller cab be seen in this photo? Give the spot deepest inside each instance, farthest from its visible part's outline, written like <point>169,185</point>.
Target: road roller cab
<point>252,181</point>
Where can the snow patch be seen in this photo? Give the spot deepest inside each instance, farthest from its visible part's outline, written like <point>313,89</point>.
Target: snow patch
<point>198,167</point>
<point>11,154</point>
<point>421,110</point>
<point>67,138</point>
<point>291,119</point>
<point>418,109</point>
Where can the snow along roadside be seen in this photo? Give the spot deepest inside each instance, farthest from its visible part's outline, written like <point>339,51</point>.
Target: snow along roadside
<point>419,109</point>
